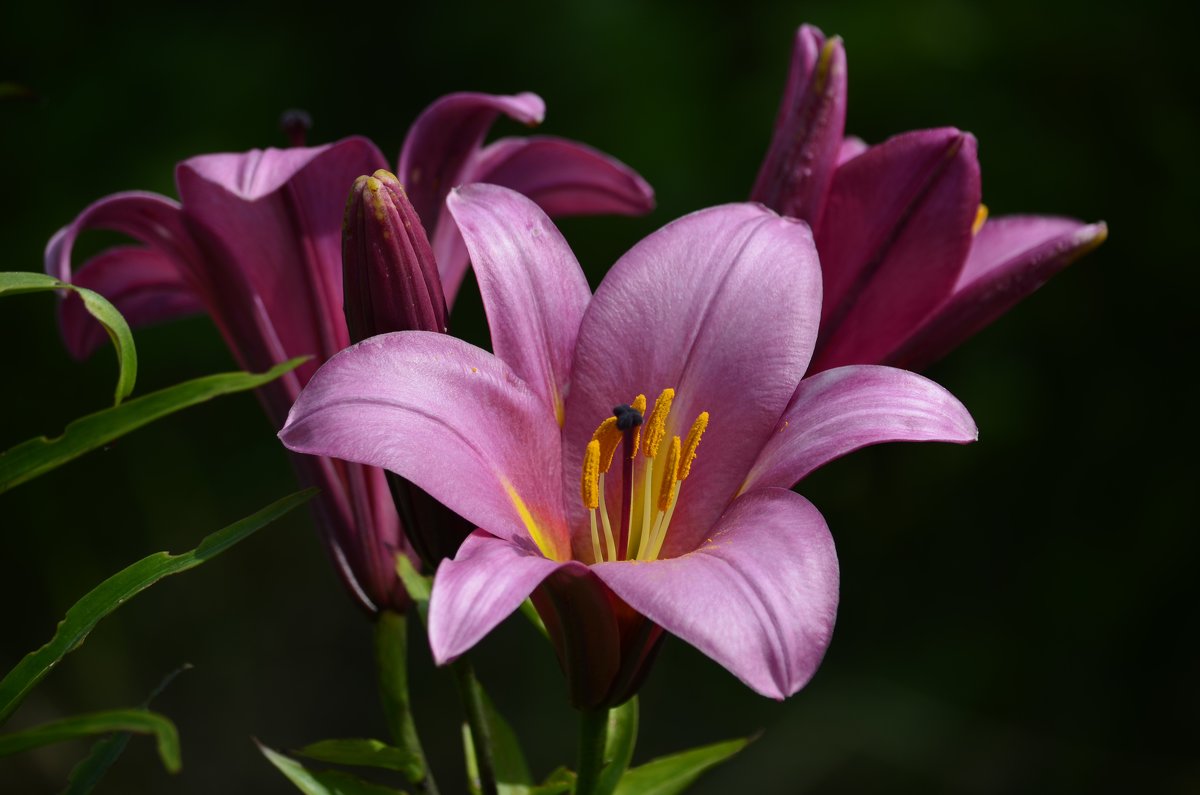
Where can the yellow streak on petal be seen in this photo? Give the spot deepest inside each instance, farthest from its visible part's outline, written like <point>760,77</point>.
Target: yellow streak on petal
<point>531,526</point>
<point>689,447</point>
<point>656,423</point>
<point>980,216</point>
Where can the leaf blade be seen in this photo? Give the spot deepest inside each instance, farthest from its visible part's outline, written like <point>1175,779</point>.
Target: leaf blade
<point>122,586</point>
<point>139,721</point>
<point>18,282</point>
<point>670,775</point>
<point>39,455</point>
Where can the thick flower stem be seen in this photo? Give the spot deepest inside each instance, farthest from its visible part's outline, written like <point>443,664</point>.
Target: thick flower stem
<point>593,736</point>
<point>477,721</point>
<point>391,661</point>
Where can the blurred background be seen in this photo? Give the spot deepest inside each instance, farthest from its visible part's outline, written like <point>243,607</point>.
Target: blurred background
<point>1018,615</point>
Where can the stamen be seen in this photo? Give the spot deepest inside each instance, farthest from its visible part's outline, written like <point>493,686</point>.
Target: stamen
<point>588,487</point>
<point>590,492</point>
<point>671,475</point>
<point>609,437</point>
<point>656,425</point>
<point>629,420</point>
<point>651,539</point>
<point>980,216</point>
<point>608,531</point>
<point>689,447</point>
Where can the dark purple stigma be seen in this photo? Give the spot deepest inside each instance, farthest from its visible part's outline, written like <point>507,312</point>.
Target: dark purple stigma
<point>627,416</point>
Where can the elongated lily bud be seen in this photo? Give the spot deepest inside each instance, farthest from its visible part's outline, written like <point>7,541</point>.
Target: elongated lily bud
<point>389,276</point>
<point>390,283</point>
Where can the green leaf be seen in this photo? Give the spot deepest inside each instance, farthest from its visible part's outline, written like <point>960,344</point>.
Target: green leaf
<point>326,782</point>
<point>87,774</point>
<point>416,584</point>
<point>37,456</point>
<point>618,745</point>
<point>507,756</point>
<point>16,282</point>
<point>531,614</point>
<point>673,774</point>
<point>118,720</point>
<point>119,588</point>
<point>365,753</point>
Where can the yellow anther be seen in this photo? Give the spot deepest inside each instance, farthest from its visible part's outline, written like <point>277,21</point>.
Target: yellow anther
<point>609,437</point>
<point>980,216</point>
<point>689,446</point>
<point>670,475</point>
<point>589,486</point>
<point>656,423</point>
<point>638,405</point>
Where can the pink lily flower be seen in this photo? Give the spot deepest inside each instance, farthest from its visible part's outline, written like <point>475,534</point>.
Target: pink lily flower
<point>912,266</point>
<point>624,523</point>
<point>256,242</point>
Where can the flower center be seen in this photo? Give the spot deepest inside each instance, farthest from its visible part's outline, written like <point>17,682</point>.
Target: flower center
<point>650,482</point>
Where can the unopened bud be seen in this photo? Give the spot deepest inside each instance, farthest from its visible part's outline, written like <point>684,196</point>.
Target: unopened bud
<point>389,276</point>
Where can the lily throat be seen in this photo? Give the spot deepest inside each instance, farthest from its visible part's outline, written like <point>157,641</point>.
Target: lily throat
<point>652,471</point>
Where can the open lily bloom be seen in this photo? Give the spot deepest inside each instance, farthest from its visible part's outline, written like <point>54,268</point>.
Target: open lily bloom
<point>256,242</point>
<point>669,514</point>
<point>912,267</point>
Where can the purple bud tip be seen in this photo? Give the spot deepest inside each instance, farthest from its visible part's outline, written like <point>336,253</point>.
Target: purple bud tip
<point>389,276</point>
<point>295,124</point>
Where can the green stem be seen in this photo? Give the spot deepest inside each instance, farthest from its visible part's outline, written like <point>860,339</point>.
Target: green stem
<point>391,660</point>
<point>593,736</point>
<point>477,721</point>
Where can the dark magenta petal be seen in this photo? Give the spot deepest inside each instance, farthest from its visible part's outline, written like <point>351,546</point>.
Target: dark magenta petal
<point>563,177</point>
<point>272,224</point>
<point>1010,259</point>
<point>144,284</point>
<point>720,305</point>
<point>446,135</point>
<point>799,165</point>
<point>389,278</point>
<point>893,242</point>
<point>841,410</point>
<point>759,596</point>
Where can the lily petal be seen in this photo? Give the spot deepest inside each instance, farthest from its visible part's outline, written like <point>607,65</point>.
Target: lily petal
<point>841,410</point>
<point>564,178</point>
<point>759,597</point>
<point>896,233</point>
<point>1010,259</point>
<point>719,305</point>
<point>799,165</point>
<point>445,135</point>
<point>144,284</point>
<point>485,582</point>
<point>275,220</point>
<point>148,218</point>
<point>852,147</point>
<point>447,416</point>
<point>533,289</point>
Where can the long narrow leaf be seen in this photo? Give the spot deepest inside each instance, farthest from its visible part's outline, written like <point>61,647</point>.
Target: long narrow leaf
<point>673,774</point>
<point>118,589</point>
<point>37,456</point>
<point>365,753</point>
<point>16,282</point>
<point>87,774</point>
<point>139,721</point>
<point>325,782</point>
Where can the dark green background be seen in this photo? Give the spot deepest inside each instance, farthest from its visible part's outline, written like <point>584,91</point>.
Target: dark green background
<point>1017,616</point>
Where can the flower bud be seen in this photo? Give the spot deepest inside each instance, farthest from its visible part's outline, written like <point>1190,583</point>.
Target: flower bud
<point>390,283</point>
<point>389,276</point>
